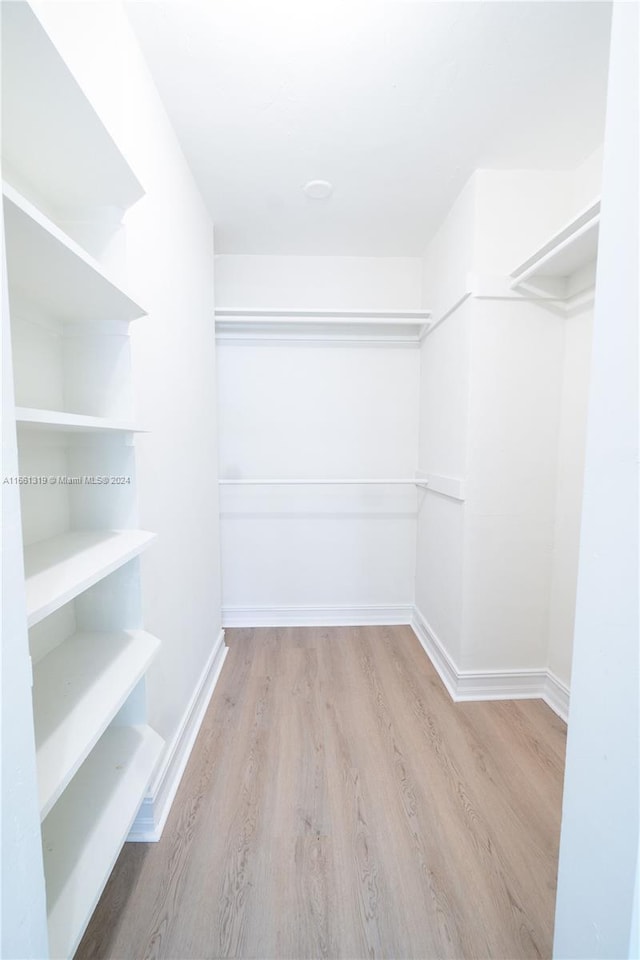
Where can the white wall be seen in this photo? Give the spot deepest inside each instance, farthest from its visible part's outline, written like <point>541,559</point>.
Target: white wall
<point>503,407</point>
<point>444,421</point>
<point>450,254</point>
<point>587,180</point>
<point>596,913</point>
<point>317,410</point>
<point>321,283</point>
<point>518,210</point>
<point>444,415</point>
<point>516,376</point>
<point>568,508</point>
<point>170,261</point>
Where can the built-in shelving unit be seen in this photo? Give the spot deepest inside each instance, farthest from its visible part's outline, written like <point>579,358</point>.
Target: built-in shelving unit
<point>67,186</point>
<point>564,266</point>
<point>386,326</point>
<point>85,830</point>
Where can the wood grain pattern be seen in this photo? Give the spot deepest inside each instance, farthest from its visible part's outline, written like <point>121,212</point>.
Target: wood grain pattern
<point>338,805</point>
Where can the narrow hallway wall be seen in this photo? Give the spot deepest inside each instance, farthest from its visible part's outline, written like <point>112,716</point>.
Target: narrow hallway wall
<point>597,903</point>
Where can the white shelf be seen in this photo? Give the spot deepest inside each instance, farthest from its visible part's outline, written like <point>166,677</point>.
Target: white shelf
<point>85,831</point>
<point>78,689</point>
<point>53,136</point>
<point>28,419</point>
<point>59,569</point>
<point>386,326</point>
<point>47,268</point>
<point>570,250</point>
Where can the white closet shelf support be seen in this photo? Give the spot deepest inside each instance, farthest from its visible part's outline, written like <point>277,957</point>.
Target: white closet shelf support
<point>49,269</point>
<point>78,689</point>
<point>29,418</point>
<point>452,487</point>
<point>58,569</point>
<point>85,831</point>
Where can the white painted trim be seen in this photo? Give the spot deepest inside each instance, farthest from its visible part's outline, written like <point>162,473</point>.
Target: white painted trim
<point>155,807</point>
<point>435,650</point>
<point>467,685</point>
<point>557,695</point>
<point>320,616</point>
<point>501,684</point>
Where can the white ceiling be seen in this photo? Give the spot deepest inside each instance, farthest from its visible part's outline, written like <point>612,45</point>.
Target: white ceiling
<point>395,102</point>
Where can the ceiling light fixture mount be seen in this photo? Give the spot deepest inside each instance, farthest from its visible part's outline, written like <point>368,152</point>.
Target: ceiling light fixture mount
<point>318,189</point>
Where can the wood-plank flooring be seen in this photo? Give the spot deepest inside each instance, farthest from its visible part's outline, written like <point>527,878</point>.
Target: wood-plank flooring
<point>338,804</point>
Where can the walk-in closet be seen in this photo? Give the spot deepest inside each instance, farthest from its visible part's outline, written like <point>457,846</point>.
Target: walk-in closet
<point>320,495</point>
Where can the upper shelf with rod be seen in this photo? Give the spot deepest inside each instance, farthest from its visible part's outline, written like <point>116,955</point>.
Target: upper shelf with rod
<point>374,326</point>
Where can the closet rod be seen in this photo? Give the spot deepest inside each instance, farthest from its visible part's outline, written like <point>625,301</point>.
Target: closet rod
<point>269,313</point>
<point>317,482</point>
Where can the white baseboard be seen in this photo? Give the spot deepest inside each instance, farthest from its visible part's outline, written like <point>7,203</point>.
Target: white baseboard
<point>530,684</point>
<point>436,652</point>
<point>155,807</point>
<point>316,616</point>
<point>556,695</point>
<point>501,684</point>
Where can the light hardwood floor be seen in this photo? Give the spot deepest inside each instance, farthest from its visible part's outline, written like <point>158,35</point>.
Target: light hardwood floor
<point>338,804</point>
